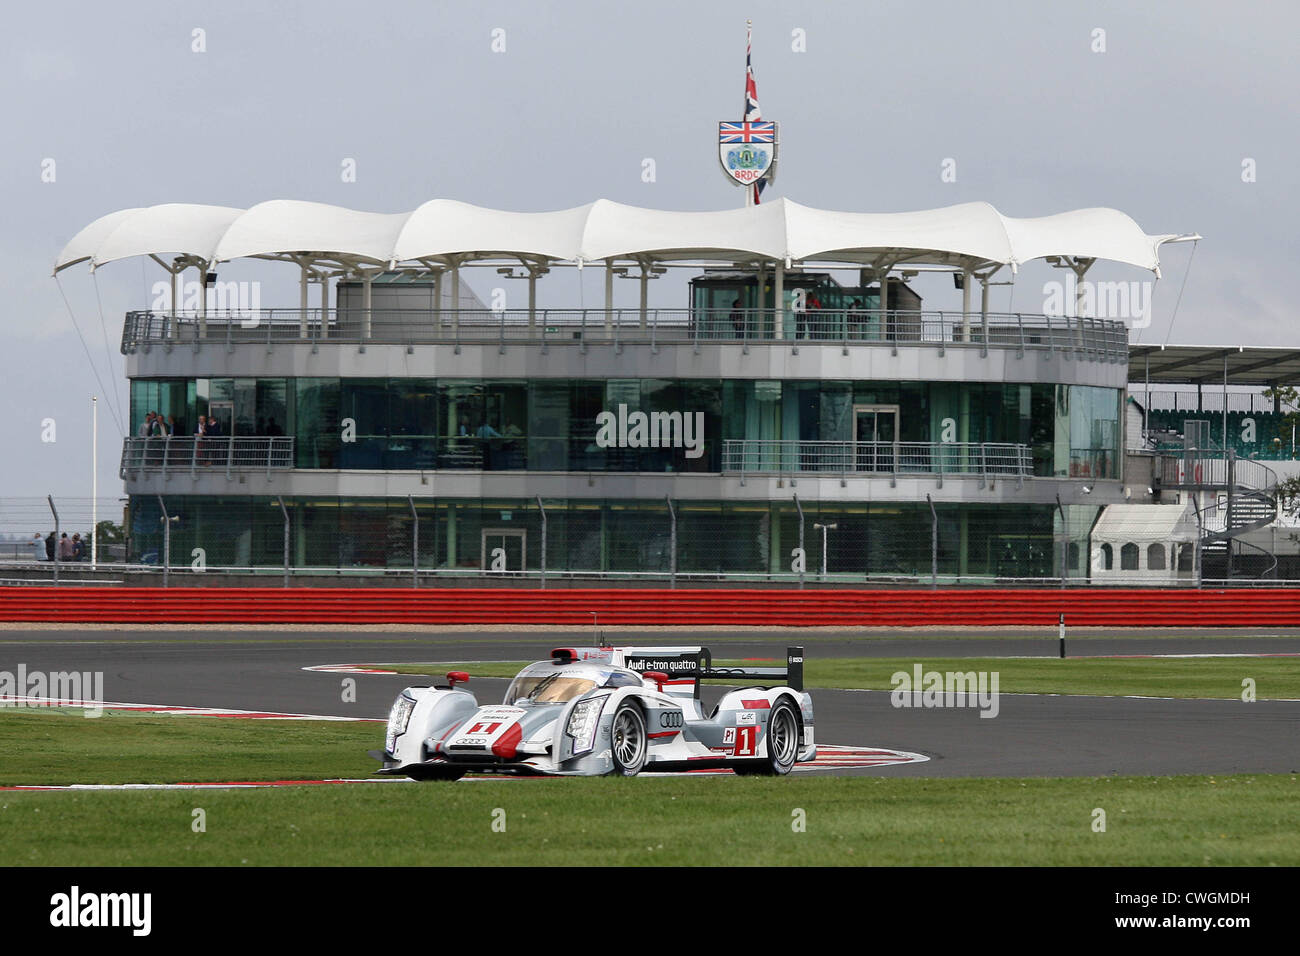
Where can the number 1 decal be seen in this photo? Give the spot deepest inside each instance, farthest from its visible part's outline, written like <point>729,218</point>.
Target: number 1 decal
<point>484,728</point>
<point>746,738</point>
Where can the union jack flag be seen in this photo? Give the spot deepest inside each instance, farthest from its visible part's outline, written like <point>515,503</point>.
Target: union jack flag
<point>747,132</point>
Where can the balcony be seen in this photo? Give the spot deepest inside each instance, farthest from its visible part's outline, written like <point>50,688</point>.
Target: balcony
<point>1088,338</point>
<point>193,456</point>
<point>861,458</point>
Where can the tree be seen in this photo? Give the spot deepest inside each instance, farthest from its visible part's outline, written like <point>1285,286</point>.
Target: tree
<point>1288,399</point>
<point>1287,493</point>
<point>109,533</point>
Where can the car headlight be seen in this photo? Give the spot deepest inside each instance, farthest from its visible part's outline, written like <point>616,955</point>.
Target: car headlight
<point>583,721</point>
<point>398,718</point>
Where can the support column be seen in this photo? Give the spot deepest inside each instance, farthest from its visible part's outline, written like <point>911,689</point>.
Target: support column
<point>984,310</point>
<point>366,325</point>
<point>965,305</point>
<point>203,300</point>
<point>324,306</point>
<point>609,298</point>
<point>176,295</point>
<point>437,299</point>
<point>532,300</point>
<point>778,301</point>
<point>645,289</point>
<point>302,302</point>
<point>455,298</point>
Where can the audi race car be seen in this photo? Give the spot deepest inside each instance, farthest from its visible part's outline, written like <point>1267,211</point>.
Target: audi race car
<point>606,710</point>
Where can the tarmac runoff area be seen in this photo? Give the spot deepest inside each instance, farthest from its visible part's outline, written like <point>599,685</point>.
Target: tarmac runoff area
<point>264,670</point>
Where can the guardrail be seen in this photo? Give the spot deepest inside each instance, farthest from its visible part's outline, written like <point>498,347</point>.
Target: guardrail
<point>232,454</point>
<point>879,458</point>
<point>1098,339</point>
<point>748,607</point>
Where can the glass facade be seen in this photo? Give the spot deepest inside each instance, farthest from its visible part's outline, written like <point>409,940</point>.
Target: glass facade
<point>871,540</point>
<point>399,424</point>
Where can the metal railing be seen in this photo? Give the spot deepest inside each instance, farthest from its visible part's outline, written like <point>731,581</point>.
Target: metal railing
<point>193,456</point>
<point>1089,338</point>
<point>1202,470</point>
<point>879,458</point>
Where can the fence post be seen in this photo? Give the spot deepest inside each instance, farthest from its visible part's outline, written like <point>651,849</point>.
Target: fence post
<point>285,512</point>
<point>934,543</point>
<point>55,512</point>
<point>167,542</point>
<point>672,543</point>
<point>415,543</point>
<point>1065,540</point>
<point>803,554</point>
<point>541,508</point>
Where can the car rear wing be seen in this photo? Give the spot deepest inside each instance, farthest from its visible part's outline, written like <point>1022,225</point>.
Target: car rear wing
<point>695,664</point>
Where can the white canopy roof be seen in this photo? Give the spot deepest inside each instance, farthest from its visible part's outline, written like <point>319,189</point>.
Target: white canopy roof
<point>1120,524</point>
<point>970,235</point>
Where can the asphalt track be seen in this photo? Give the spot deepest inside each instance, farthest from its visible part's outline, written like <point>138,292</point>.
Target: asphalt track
<point>1032,736</point>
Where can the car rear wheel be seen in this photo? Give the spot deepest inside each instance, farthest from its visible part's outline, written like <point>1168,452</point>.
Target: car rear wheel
<point>629,740</point>
<point>782,744</point>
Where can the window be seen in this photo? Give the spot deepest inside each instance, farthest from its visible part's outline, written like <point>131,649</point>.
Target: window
<point>1156,557</point>
<point>1185,556</point>
<point>1128,557</point>
<point>1107,558</point>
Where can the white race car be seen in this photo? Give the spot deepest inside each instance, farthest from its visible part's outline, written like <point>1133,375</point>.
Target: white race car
<point>603,710</point>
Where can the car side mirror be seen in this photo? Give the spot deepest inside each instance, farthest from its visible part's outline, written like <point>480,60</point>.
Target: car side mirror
<point>658,677</point>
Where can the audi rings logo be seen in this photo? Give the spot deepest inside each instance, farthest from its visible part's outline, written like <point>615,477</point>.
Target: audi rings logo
<point>670,718</point>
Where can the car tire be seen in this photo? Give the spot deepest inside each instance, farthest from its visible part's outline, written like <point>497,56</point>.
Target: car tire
<point>628,741</point>
<point>447,774</point>
<point>782,744</point>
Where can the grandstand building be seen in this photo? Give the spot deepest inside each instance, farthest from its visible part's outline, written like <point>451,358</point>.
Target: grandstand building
<point>801,414</point>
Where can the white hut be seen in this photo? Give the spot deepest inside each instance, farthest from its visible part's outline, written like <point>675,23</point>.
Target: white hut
<point>1144,544</point>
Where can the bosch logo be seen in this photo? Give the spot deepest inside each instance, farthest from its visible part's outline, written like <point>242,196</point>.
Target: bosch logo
<point>670,718</point>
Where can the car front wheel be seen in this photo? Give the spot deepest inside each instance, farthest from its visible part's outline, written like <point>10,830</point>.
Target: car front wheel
<point>629,740</point>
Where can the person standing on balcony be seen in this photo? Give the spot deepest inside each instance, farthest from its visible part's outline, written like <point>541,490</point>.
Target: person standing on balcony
<point>65,548</point>
<point>50,545</point>
<point>38,548</point>
<point>738,319</point>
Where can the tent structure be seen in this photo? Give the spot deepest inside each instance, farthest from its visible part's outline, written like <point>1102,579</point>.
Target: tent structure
<point>1142,543</point>
<point>971,236</point>
<point>443,235</point>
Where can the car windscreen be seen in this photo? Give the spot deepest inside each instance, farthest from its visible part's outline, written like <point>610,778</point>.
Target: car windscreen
<point>548,688</point>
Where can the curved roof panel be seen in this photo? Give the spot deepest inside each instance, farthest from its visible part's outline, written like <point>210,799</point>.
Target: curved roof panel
<point>970,234</point>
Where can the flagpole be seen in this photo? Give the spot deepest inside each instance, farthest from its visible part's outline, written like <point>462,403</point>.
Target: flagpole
<point>744,113</point>
<point>94,481</point>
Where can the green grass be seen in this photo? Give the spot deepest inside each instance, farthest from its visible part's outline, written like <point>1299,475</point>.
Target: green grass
<point>62,746</point>
<point>1275,677</point>
<point>1172,821</point>
<point>1247,820</point>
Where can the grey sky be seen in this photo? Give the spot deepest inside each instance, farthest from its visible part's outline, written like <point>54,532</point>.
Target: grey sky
<point>1157,126</point>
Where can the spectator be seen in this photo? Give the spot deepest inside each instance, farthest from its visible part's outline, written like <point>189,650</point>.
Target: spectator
<point>38,548</point>
<point>78,548</point>
<point>65,547</point>
<point>738,319</point>
<point>50,545</point>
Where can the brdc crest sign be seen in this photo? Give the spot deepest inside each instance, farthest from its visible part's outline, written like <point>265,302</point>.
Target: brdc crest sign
<point>747,150</point>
